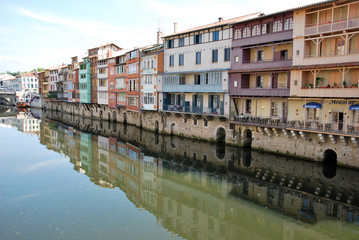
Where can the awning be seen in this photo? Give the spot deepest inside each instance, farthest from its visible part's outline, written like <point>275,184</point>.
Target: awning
<point>312,105</point>
<point>354,107</point>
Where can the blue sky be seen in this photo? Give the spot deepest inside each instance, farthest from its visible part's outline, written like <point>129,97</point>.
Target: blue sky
<point>48,33</point>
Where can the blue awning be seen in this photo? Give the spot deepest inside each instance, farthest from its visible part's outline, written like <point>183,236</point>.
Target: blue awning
<point>312,105</point>
<point>354,107</point>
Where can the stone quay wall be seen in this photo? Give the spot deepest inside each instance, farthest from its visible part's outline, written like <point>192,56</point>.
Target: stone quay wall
<point>307,145</point>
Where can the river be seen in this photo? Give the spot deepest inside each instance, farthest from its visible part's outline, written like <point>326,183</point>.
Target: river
<point>66,177</point>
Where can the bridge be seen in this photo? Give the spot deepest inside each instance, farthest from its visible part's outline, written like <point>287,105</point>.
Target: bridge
<point>8,98</point>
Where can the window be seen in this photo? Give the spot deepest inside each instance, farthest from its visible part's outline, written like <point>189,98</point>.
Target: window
<point>197,39</point>
<point>180,59</point>
<point>198,57</point>
<point>147,79</point>
<point>132,85</point>
<point>277,26</point>
<point>227,54</point>
<point>275,110</point>
<point>132,101</point>
<point>237,34</point>
<point>215,55</point>
<point>284,55</point>
<point>133,55</point>
<point>197,79</point>
<point>120,69</point>
<point>260,56</point>
<point>248,105</point>
<point>181,42</point>
<point>112,85</point>
<point>171,60</point>
<point>288,24</point>
<point>121,97</point>
<point>339,44</point>
<point>259,83</point>
<point>313,114</point>
<point>148,98</point>
<point>182,80</point>
<point>215,36</point>
<point>256,30</point>
<point>102,82</point>
<point>246,32</point>
<point>120,83</point>
<point>132,68</point>
<point>170,43</point>
<point>102,71</point>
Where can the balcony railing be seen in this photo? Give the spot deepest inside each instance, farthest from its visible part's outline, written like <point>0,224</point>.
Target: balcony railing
<point>331,26</point>
<point>309,125</point>
<point>194,110</point>
<point>192,88</point>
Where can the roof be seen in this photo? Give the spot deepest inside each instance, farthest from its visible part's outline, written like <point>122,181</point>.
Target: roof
<point>292,9</point>
<point>6,76</point>
<point>153,48</point>
<point>217,24</point>
<point>108,44</point>
<point>246,18</point>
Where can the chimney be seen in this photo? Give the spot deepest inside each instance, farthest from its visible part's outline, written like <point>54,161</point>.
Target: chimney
<point>220,19</point>
<point>159,37</point>
<point>175,27</point>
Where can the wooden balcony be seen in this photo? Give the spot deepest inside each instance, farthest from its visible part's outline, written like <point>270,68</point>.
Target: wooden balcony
<point>332,27</point>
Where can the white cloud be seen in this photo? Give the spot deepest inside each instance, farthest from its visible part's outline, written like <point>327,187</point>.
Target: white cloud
<point>45,164</point>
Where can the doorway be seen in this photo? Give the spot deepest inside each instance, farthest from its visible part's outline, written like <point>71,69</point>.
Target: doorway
<point>338,119</point>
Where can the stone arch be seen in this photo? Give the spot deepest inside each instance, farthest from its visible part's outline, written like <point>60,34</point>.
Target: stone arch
<point>247,138</point>
<point>173,129</point>
<point>156,126</point>
<point>221,135</point>
<point>109,116</point>
<point>91,113</point>
<point>124,118</point>
<point>114,116</point>
<point>330,159</point>
<point>100,115</point>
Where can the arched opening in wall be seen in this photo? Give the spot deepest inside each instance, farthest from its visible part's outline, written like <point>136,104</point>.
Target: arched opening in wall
<point>56,109</point>
<point>220,150</point>
<point>221,135</point>
<point>247,138</point>
<point>246,157</point>
<point>101,125</point>
<point>173,128</point>
<point>330,163</point>
<point>114,116</point>
<point>156,126</point>
<point>124,118</point>
<point>109,125</point>
<point>109,116</point>
<point>114,128</point>
<point>91,113</point>
<point>100,114</point>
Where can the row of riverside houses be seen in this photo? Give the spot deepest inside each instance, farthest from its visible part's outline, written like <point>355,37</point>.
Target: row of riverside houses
<point>298,68</point>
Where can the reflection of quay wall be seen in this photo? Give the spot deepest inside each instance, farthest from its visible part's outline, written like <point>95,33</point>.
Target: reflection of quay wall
<point>200,205</point>
<point>295,143</point>
<point>292,173</point>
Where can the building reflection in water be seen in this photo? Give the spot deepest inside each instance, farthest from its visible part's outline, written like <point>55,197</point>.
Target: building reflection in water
<point>199,190</point>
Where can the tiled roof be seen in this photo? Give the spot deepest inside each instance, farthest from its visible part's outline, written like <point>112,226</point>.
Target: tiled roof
<point>217,24</point>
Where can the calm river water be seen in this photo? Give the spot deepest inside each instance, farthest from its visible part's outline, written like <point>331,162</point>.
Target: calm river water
<point>75,178</point>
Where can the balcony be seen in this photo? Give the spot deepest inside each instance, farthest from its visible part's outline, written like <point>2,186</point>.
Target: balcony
<point>188,88</point>
<point>266,64</point>
<point>262,92</point>
<point>194,110</point>
<point>307,126</point>
<point>331,26</point>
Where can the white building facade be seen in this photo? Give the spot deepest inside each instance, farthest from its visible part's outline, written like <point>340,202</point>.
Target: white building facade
<point>150,64</point>
<point>196,65</point>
